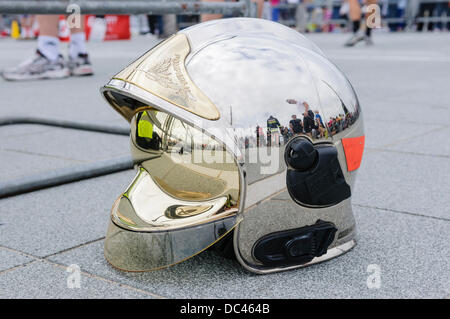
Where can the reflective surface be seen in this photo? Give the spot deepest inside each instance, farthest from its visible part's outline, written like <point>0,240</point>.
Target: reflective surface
<point>161,71</point>
<point>145,207</point>
<point>268,85</point>
<point>145,251</point>
<point>184,162</point>
<point>183,199</point>
<point>278,90</point>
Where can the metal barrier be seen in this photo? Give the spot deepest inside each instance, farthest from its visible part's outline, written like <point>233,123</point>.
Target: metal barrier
<point>412,15</point>
<point>239,8</point>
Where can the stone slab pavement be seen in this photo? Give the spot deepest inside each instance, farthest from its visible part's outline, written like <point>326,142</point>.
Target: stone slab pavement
<point>401,201</point>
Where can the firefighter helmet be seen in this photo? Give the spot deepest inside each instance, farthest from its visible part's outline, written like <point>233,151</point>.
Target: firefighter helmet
<point>246,138</point>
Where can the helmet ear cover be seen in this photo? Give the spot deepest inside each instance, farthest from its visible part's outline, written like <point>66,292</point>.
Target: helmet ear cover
<point>314,176</point>
<point>295,246</point>
<point>301,154</point>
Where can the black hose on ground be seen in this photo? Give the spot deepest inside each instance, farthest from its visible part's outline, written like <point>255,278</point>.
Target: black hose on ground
<point>65,124</point>
<point>70,174</point>
<point>64,176</point>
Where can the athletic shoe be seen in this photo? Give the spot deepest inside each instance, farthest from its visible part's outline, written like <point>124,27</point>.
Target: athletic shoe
<point>80,66</point>
<point>368,40</point>
<point>37,67</point>
<point>354,39</point>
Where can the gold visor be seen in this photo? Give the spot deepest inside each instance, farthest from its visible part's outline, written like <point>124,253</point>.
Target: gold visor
<point>184,198</point>
<point>161,72</point>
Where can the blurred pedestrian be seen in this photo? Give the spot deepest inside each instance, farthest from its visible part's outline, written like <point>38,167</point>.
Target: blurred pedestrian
<point>26,26</point>
<point>355,15</point>
<point>426,10</point>
<point>154,25</point>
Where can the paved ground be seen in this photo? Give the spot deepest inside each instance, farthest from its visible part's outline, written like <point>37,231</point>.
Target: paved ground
<point>401,201</point>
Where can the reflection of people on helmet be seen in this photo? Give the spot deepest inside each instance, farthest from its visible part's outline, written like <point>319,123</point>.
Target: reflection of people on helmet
<point>285,134</point>
<point>273,126</point>
<point>314,122</point>
<point>318,117</point>
<point>311,121</point>
<point>296,125</point>
<point>308,122</point>
<point>259,136</point>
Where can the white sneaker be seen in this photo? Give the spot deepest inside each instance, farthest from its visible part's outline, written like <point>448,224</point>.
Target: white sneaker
<point>355,38</point>
<point>80,66</point>
<point>37,67</point>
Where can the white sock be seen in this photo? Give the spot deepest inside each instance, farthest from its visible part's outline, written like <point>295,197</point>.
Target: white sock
<point>49,46</point>
<point>77,44</point>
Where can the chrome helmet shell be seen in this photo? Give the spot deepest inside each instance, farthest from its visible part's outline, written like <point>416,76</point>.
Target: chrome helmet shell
<point>221,159</point>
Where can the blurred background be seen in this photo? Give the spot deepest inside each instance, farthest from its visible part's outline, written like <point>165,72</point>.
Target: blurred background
<point>309,16</point>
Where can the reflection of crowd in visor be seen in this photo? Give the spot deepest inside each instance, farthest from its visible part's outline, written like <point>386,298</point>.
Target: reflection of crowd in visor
<point>156,131</point>
<point>312,125</point>
<point>273,131</point>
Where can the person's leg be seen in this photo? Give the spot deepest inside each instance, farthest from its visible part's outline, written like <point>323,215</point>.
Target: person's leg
<point>48,25</point>
<point>368,15</point>
<point>421,14</point>
<point>400,14</point>
<point>367,36</point>
<point>48,41</point>
<point>79,63</point>
<point>355,17</point>
<point>431,7</point>
<point>356,36</point>
<point>440,8</point>
<point>301,17</point>
<point>356,25</point>
<point>159,21</point>
<point>25,26</point>
<point>260,4</point>
<point>77,40</point>
<point>152,23</point>
<point>31,22</point>
<point>448,14</point>
<point>143,24</point>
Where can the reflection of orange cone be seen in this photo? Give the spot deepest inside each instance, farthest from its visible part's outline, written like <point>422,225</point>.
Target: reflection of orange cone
<point>15,31</point>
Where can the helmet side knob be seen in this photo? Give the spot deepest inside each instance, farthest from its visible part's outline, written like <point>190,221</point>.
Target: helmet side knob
<point>300,154</point>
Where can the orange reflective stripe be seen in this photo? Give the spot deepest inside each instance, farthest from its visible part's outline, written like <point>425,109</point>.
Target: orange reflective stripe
<point>353,149</point>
